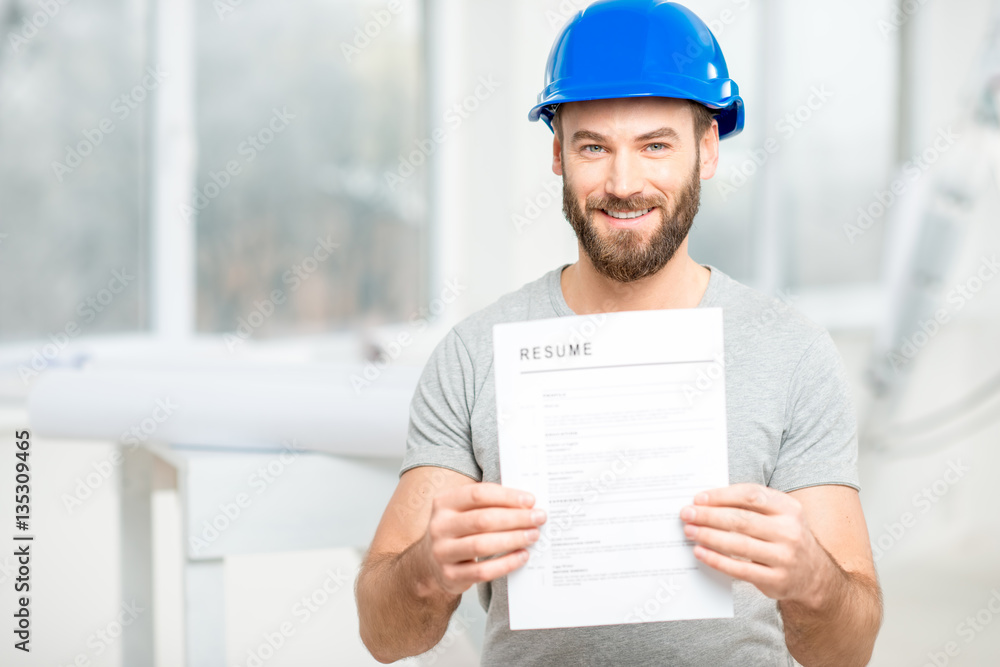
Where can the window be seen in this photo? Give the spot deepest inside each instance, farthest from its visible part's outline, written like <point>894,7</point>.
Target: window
<point>74,99</point>
<point>310,109</point>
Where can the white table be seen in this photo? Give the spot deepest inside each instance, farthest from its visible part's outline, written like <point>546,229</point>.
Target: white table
<point>227,420</point>
<point>313,500</point>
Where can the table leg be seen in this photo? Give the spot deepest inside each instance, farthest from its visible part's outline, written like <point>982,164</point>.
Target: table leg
<point>136,522</point>
<point>204,613</point>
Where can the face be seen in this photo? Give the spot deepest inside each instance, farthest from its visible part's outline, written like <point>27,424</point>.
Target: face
<point>632,175</point>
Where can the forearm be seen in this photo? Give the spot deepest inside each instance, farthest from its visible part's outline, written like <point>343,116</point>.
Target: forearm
<point>838,627</point>
<point>401,612</point>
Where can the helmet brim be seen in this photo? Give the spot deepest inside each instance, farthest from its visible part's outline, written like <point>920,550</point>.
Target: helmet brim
<point>731,116</point>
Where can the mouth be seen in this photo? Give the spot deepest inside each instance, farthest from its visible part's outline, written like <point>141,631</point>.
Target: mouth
<point>626,218</point>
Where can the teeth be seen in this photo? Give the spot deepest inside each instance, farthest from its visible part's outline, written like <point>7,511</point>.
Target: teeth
<point>628,216</point>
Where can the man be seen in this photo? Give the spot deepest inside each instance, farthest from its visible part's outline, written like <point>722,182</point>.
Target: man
<point>637,95</point>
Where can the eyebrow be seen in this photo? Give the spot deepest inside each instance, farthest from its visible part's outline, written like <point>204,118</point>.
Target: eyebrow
<point>661,133</point>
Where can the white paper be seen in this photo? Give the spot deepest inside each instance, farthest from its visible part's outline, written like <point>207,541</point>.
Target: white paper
<point>614,422</point>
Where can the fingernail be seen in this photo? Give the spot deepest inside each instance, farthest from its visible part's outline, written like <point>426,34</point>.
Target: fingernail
<point>690,530</point>
<point>538,516</point>
<point>687,513</point>
<point>527,499</point>
<point>524,556</point>
<point>701,498</point>
<point>531,535</point>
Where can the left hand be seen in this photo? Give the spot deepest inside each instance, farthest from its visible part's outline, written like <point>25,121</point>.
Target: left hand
<point>768,529</point>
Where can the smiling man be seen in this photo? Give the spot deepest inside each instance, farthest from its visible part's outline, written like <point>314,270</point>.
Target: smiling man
<point>638,97</point>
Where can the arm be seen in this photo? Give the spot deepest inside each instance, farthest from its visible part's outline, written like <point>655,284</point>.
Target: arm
<point>851,598</point>
<point>423,556</point>
<point>809,550</point>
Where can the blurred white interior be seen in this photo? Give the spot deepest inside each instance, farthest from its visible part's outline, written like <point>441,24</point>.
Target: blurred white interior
<point>453,238</point>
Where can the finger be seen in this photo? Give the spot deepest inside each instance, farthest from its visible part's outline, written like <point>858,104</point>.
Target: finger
<point>473,572</point>
<point>494,520</point>
<point>482,546</point>
<point>484,494</point>
<point>754,573</point>
<point>735,544</point>
<point>755,497</point>
<point>745,522</point>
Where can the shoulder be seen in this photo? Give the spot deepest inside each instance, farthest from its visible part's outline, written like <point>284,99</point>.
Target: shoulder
<point>767,323</point>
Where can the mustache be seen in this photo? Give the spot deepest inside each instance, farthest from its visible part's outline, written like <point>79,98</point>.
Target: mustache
<point>618,205</point>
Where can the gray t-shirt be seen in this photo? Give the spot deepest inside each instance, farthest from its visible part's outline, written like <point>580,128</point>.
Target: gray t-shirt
<point>790,423</point>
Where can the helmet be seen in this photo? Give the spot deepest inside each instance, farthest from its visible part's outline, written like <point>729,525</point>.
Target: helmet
<point>639,48</point>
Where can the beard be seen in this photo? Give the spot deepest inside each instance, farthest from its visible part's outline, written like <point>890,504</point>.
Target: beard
<point>623,255</point>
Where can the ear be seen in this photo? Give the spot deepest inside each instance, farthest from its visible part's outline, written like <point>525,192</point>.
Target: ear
<point>710,151</point>
<point>556,156</point>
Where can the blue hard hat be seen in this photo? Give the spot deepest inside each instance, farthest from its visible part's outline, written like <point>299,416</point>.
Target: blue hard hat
<point>639,48</point>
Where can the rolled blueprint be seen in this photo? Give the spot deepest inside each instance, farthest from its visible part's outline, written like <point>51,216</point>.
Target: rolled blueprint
<point>340,409</point>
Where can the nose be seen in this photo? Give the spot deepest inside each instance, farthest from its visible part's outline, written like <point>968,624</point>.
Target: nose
<point>624,176</point>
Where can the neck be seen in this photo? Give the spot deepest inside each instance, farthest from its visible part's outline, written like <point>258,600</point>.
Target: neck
<point>681,283</point>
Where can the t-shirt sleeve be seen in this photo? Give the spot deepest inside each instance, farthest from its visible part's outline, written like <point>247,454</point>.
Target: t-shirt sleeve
<point>440,429</point>
<point>820,438</point>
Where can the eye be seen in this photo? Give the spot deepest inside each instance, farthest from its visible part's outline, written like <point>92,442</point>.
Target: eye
<point>586,149</point>
<point>662,147</point>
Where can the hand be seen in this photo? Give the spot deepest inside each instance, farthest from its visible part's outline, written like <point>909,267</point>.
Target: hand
<point>474,521</point>
<point>768,529</point>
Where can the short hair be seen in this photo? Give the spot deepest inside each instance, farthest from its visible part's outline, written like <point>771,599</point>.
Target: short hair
<point>702,119</point>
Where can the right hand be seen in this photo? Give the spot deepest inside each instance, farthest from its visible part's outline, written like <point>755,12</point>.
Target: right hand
<point>474,521</point>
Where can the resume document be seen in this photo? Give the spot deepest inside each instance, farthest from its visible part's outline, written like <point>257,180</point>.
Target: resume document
<point>614,422</point>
